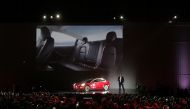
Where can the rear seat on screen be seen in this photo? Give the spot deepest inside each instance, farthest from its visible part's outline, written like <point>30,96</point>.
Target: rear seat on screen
<point>92,54</point>
<point>79,57</point>
<point>83,49</point>
<point>95,55</point>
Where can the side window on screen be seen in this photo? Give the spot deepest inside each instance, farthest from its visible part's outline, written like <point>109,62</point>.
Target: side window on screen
<point>62,39</point>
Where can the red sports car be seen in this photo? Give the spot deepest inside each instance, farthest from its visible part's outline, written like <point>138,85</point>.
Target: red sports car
<point>92,84</point>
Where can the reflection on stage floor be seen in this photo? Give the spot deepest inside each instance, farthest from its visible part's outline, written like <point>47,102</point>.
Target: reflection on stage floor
<point>83,92</point>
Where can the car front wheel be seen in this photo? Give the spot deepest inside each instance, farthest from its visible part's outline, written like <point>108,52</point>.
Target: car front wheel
<point>106,87</point>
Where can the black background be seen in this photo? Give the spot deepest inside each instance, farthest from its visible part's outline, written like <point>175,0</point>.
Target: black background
<point>94,10</point>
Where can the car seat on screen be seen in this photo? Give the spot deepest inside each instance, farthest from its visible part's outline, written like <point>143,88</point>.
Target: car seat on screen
<point>75,51</point>
<point>46,47</point>
<point>80,50</point>
<point>83,50</point>
<point>79,56</point>
<point>107,58</point>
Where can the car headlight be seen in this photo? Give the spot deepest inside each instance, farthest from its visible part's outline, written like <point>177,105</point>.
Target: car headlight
<point>83,84</point>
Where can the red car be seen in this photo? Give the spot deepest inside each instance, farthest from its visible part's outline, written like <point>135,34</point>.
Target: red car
<point>92,84</point>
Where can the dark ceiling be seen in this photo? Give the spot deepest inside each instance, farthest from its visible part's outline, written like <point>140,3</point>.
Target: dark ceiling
<point>93,10</point>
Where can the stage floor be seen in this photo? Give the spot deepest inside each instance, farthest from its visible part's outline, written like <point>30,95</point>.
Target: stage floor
<point>127,91</point>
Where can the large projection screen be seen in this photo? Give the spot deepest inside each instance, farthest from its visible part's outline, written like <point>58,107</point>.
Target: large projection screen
<point>85,51</point>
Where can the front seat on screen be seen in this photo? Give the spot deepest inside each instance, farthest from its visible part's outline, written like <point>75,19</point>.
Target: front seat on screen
<point>46,46</point>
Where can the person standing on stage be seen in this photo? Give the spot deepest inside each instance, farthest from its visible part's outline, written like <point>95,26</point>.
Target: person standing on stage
<point>121,81</point>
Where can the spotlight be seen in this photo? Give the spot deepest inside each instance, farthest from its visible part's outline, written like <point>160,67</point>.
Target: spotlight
<point>175,17</point>
<point>114,18</point>
<point>58,16</point>
<point>51,17</point>
<point>121,17</point>
<point>44,17</point>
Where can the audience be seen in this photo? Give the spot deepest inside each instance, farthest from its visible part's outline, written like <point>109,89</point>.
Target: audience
<point>45,100</point>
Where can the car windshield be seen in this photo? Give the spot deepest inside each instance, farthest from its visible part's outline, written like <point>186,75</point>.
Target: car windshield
<point>99,80</point>
<point>87,81</point>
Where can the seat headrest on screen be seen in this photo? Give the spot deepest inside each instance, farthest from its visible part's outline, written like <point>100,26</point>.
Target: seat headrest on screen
<point>111,36</point>
<point>85,40</point>
<point>45,33</point>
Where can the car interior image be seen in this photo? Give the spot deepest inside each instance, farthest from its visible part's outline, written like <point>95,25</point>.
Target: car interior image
<point>99,55</point>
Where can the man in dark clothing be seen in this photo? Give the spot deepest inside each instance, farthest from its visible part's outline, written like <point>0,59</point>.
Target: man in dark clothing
<point>121,81</point>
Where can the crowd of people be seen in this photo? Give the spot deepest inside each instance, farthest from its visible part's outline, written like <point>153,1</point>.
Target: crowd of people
<point>45,100</point>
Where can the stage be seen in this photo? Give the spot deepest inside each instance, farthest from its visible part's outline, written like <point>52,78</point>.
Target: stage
<point>127,91</point>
